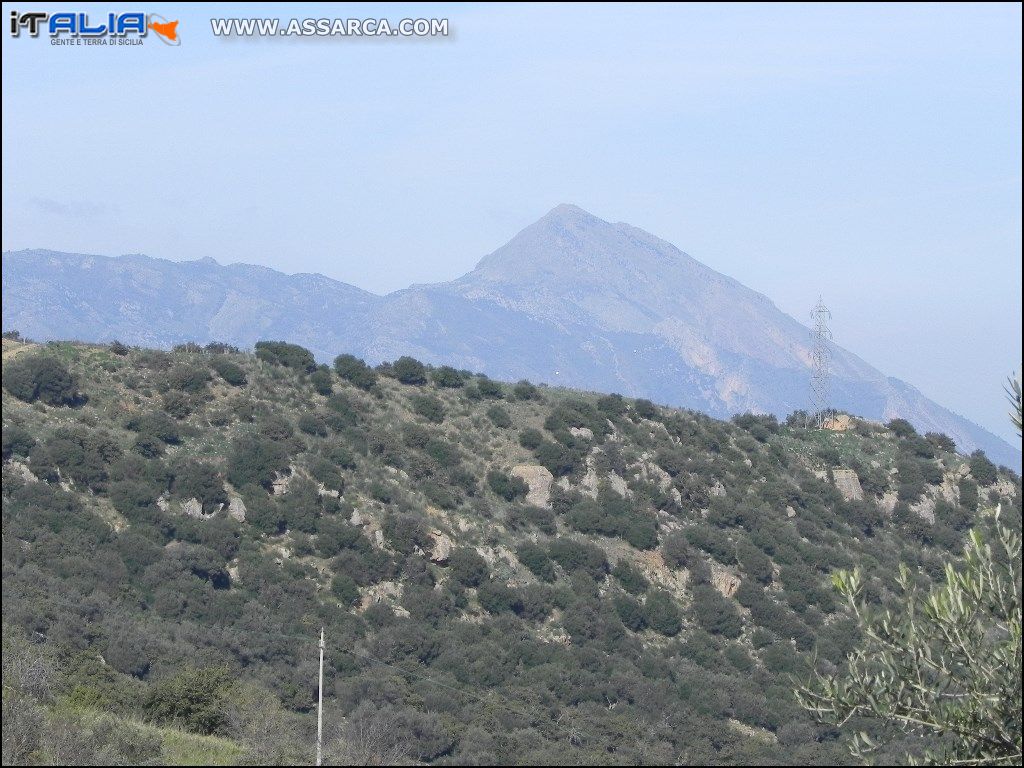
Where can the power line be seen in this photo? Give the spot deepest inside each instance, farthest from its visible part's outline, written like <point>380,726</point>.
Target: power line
<point>821,356</point>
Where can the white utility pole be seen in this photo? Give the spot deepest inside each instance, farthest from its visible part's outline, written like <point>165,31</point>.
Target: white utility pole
<point>320,705</point>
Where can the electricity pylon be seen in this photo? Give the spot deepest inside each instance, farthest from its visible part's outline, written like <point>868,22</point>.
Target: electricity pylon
<point>821,355</point>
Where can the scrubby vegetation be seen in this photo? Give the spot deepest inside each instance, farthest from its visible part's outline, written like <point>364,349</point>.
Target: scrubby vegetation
<point>506,573</point>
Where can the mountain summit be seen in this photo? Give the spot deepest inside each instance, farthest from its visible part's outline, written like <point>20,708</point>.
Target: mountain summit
<point>571,300</point>
<point>574,267</point>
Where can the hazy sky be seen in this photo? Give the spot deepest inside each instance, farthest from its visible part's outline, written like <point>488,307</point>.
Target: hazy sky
<point>870,154</point>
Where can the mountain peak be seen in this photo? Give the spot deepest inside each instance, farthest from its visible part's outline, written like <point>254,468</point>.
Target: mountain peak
<point>571,249</point>
<point>567,213</point>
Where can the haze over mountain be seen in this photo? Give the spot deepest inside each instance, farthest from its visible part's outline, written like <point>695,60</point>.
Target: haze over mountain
<point>571,300</point>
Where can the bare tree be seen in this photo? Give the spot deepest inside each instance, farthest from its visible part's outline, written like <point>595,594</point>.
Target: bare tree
<point>257,721</point>
<point>369,736</point>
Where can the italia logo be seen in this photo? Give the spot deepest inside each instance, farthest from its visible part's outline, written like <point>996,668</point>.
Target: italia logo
<point>120,26</point>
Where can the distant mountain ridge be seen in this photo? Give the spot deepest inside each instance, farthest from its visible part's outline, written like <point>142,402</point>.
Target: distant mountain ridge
<point>571,300</point>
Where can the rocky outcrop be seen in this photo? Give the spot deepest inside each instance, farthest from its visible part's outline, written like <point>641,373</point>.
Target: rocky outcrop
<point>539,480</point>
<point>23,472</point>
<point>236,508</point>
<point>839,423</point>
<point>888,502</point>
<point>848,484</point>
<point>925,508</point>
<point>724,581</point>
<point>323,490</point>
<point>441,548</point>
<point>585,432</point>
<point>193,508</point>
<point>280,484</point>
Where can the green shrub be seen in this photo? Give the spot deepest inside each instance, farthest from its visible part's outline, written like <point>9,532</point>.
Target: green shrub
<point>630,578</point>
<point>17,441</point>
<point>429,407</point>
<point>497,597</point>
<point>192,698</point>
<point>675,550</point>
<point>409,370</point>
<point>191,379</point>
<point>713,541</point>
<point>254,461</point>
<point>322,381</point>
<point>508,487</point>
<point>313,424</point>
<point>275,427</point>
<point>910,478</point>
<point>328,473</point>
<point>579,556</point>
<point>345,589</point>
<point>662,614</point>
<point>942,442</point>
<point>468,567</point>
<point>499,417</point>
<point>968,492</point>
<point>528,515</point>
<point>645,409</point>
<point>902,428</point>
<point>755,563</point>
<point>537,560</point>
<point>287,355</point>
<point>39,377</point>
<point>177,404</point>
<point>612,406</point>
<point>714,613</point>
<point>577,413</point>
<point>531,439</point>
<point>198,480</point>
<point>982,470</point>
<point>641,533</point>
<point>556,458</point>
<point>405,532</point>
<point>524,390</point>
<point>355,371</point>
<point>631,613</point>
<point>490,389</point>
<point>447,377</point>
<point>227,370</point>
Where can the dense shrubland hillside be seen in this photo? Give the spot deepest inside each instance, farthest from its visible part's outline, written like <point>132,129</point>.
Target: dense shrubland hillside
<point>507,573</point>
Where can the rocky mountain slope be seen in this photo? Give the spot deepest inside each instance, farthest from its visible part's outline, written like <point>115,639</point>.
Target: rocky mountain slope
<point>571,300</point>
<point>507,572</point>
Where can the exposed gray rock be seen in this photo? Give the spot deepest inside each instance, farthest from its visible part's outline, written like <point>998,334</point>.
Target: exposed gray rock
<point>325,491</point>
<point>193,508</point>
<point>539,480</point>
<point>585,432</point>
<point>848,484</point>
<point>441,548</point>
<point>726,582</point>
<point>925,508</point>
<point>280,484</point>
<point>24,472</point>
<point>236,508</point>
